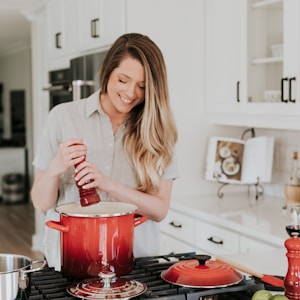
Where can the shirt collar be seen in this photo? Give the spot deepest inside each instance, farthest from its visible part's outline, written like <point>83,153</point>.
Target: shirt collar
<point>93,104</point>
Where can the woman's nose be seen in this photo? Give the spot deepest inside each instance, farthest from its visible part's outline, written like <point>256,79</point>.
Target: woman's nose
<point>131,91</point>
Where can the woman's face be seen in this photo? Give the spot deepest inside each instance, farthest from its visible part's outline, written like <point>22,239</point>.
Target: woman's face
<point>125,87</point>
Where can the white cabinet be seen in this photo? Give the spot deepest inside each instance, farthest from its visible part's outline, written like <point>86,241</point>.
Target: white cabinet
<point>225,55</point>
<point>179,226</point>
<point>247,84</point>
<point>76,26</point>
<point>100,22</point>
<point>169,244</point>
<point>181,232</point>
<point>250,244</point>
<point>61,18</point>
<point>214,239</point>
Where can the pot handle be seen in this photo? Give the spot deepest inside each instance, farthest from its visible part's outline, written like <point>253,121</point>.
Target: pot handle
<point>23,279</point>
<point>56,225</point>
<point>139,219</point>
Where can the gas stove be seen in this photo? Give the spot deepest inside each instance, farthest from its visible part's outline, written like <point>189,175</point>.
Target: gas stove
<point>52,285</point>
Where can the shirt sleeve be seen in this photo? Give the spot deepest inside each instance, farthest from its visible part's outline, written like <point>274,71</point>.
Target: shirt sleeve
<point>172,171</point>
<point>49,141</point>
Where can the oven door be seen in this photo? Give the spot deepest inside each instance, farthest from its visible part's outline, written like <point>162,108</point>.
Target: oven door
<point>59,94</point>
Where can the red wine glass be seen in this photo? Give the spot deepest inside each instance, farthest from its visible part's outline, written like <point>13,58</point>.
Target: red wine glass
<point>292,224</point>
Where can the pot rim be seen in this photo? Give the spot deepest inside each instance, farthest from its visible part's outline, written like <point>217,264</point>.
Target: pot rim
<point>10,255</point>
<point>101,209</point>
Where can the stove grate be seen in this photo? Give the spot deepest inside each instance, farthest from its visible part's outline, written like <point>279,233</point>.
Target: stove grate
<point>50,284</point>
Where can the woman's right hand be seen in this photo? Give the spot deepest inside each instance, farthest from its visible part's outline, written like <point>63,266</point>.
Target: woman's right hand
<point>69,153</point>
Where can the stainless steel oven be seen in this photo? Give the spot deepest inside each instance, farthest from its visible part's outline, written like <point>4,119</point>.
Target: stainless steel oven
<point>60,88</point>
<point>77,82</point>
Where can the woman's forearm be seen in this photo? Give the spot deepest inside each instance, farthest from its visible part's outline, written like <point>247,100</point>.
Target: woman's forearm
<point>44,192</point>
<point>154,206</point>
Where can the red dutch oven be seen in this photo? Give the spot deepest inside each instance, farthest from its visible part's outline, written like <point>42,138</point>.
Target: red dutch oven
<point>96,238</point>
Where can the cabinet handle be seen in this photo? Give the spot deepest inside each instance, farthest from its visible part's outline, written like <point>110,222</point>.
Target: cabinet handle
<point>282,90</point>
<point>290,89</point>
<point>94,33</point>
<point>58,40</point>
<point>176,225</point>
<point>238,91</point>
<point>215,240</point>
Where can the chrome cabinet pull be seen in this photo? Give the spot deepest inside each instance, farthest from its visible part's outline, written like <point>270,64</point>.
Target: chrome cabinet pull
<point>215,240</point>
<point>175,224</point>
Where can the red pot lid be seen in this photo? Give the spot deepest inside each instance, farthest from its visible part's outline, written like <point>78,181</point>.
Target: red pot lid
<point>107,286</point>
<point>201,272</point>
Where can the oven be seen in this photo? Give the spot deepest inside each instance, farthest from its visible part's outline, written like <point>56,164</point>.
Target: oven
<point>60,88</point>
<point>50,284</point>
<point>77,82</point>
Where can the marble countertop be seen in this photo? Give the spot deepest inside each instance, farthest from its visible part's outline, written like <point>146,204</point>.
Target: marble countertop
<point>263,218</point>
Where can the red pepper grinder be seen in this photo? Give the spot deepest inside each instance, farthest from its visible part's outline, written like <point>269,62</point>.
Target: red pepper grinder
<point>292,278</point>
<point>87,196</point>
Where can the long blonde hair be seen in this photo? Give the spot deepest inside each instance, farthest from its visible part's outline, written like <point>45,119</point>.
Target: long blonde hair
<point>150,134</point>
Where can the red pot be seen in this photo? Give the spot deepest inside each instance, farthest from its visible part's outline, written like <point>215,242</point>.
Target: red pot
<point>96,238</point>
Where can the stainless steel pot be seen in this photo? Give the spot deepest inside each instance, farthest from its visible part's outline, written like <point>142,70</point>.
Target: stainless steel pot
<point>15,273</point>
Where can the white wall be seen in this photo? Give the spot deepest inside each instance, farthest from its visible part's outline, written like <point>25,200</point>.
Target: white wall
<point>179,32</point>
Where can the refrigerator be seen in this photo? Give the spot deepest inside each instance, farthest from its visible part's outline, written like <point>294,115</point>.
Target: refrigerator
<point>85,71</point>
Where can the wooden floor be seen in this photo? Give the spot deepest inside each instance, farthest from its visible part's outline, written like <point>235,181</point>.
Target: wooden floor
<point>16,229</point>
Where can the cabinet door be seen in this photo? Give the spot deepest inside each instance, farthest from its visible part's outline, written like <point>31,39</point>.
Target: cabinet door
<point>225,45</point>
<point>248,244</point>
<point>100,22</point>
<point>61,17</point>
<point>291,51</point>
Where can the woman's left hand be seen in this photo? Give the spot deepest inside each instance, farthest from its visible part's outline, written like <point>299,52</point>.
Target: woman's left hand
<point>88,175</point>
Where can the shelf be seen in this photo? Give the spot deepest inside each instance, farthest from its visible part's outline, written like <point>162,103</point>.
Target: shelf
<point>266,3</point>
<point>267,60</point>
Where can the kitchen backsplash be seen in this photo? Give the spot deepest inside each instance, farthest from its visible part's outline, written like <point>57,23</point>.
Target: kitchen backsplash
<point>286,142</point>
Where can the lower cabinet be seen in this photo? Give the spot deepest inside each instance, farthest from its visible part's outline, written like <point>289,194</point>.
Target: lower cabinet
<point>216,240</point>
<point>248,244</point>
<point>182,233</point>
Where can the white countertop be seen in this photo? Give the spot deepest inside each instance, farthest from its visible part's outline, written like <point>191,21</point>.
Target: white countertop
<point>263,218</point>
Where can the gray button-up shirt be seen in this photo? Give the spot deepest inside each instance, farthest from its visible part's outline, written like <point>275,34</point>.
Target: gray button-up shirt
<point>86,120</point>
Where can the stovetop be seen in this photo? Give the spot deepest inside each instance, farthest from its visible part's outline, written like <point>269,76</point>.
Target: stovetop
<point>50,284</point>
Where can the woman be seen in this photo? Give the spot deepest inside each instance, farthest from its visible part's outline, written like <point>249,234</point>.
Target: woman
<point>126,131</point>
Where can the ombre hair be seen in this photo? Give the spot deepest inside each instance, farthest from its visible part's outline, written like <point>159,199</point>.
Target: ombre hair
<point>151,133</point>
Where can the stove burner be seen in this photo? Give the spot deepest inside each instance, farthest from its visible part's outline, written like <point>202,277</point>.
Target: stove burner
<point>52,285</point>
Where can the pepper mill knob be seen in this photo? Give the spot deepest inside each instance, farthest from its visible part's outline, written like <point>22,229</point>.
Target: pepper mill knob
<point>292,278</point>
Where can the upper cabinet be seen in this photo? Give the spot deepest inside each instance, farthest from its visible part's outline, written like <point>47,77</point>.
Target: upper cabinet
<point>61,18</point>
<point>100,22</point>
<point>254,83</point>
<point>225,55</point>
<point>76,27</point>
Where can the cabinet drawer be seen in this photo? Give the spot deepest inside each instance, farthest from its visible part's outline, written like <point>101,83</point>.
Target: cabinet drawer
<point>179,226</point>
<point>214,239</point>
<point>249,244</point>
<point>170,244</point>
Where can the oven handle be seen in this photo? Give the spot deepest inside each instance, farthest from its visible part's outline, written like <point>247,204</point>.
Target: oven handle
<point>62,87</point>
<point>76,86</point>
